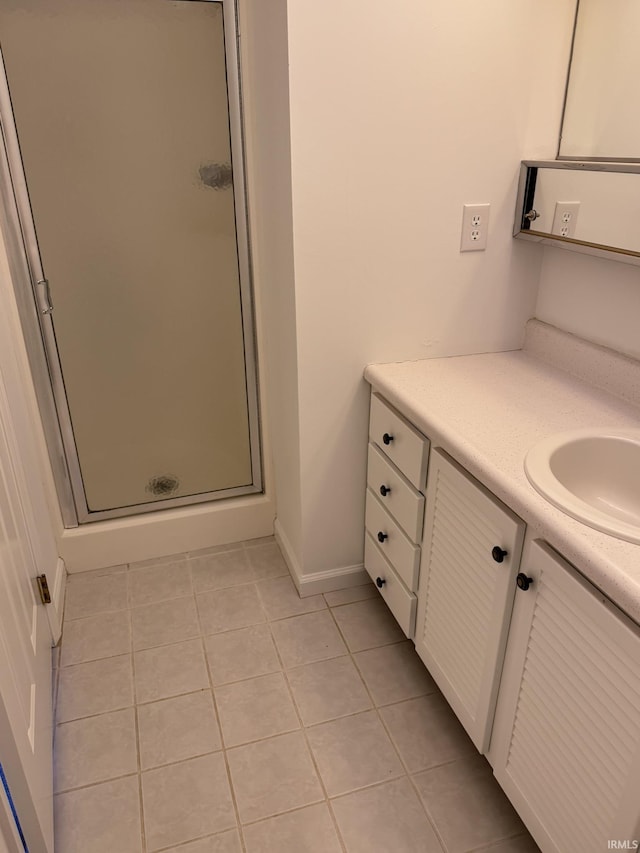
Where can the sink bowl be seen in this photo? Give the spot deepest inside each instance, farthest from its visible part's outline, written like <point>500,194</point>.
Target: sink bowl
<point>592,475</point>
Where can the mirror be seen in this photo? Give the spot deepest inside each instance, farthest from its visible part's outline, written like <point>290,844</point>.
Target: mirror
<point>588,200</point>
<point>585,206</point>
<point>601,119</point>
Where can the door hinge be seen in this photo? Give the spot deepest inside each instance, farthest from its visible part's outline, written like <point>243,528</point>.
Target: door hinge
<point>43,589</point>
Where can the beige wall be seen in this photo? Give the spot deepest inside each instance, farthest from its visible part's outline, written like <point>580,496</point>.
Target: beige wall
<point>264,56</point>
<point>591,297</point>
<point>400,113</point>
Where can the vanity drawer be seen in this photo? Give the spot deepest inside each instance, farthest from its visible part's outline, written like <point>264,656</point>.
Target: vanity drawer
<point>397,496</point>
<point>403,444</point>
<point>396,546</point>
<point>398,599</point>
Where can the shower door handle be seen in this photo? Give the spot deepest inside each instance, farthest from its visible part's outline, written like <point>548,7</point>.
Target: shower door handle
<point>48,305</point>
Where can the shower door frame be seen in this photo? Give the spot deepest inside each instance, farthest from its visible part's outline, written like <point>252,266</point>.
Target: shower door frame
<point>27,272</point>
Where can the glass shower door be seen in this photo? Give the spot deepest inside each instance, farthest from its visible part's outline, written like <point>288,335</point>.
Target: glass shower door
<point>135,188</point>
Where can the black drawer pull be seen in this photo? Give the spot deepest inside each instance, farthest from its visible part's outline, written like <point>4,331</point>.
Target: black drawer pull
<point>523,582</point>
<point>387,439</point>
<point>498,554</point>
<point>382,536</point>
<point>380,582</point>
<point>384,491</point>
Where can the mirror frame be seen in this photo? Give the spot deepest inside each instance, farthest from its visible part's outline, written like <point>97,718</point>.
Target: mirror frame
<point>523,230</point>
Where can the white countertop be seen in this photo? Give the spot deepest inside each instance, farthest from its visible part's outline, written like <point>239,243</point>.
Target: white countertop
<point>487,411</point>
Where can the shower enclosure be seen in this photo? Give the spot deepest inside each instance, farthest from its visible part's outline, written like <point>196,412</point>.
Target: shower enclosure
<point>122,135</point>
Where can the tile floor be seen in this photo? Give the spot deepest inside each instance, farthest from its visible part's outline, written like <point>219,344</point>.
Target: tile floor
<point>203,707</point>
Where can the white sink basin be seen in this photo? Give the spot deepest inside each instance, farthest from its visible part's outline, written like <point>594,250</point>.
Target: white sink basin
<point>592,475</point>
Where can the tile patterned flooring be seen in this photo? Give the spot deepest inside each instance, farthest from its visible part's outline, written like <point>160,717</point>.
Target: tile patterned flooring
<point>203,707</point>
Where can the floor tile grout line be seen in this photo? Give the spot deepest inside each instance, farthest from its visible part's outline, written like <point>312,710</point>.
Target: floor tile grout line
<point>413,784</point>
<point>393,745</point>
<point>164,598</point>
<point>490,844</point>
<point>328,798</point>
<point>379,784</point>
<point>156,562</point>
<point>284,812</point>
<point>133,707</point>
<point>365,585</point>
<point>409,774</point>
<point>71,585</point>
<point>344,638</point>
<point>204,552</point>
<point>175,560</point>
<point>108,612</point>
<point>90,574</point>
<point>271,618</point>
<point>392,739</point>
<point>232,791</point>
<point>130,775</point>
<point>195,594</point>
<point>64,723</point>
<point>182,845</point>
<point>182,595</point>
<point>216,634</point>
<point>412,780</point>
<point>336,827</point>
<point>185,760</point>
<point>306,726</point>
<point>143,829</point>
<point>217,685</point>
<point>303,725</point>
<point>230,585</point>
<point>374,705</point>
<point>95,660</point>
<point>431,820</point>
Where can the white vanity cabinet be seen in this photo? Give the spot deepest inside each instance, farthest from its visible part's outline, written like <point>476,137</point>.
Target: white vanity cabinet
<point>396,475</point>
<point>566,738</point>
<point>541,668</point>
<point>470,558</point>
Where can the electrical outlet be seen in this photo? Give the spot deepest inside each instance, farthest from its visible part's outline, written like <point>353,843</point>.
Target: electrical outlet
<point>565,218</point>
<point>475,224</point>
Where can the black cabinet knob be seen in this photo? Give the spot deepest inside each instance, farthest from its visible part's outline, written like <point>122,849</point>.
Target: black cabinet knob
<point>384,491</point>
<point>382,536</point>
<point>498,553</point>
<point>386,438</point>
<point>380,582</point>
<point>523,582</point>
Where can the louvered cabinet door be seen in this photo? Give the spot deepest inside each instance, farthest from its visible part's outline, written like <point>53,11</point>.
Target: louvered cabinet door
<point>466,593</point>
<point>566,740</point>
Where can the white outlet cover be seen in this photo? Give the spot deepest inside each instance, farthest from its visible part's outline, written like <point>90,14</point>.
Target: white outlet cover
<point>565,218</point>
<point>475,226</point>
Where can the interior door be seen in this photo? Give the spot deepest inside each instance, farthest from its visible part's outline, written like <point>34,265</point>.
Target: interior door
<point>25,659</point>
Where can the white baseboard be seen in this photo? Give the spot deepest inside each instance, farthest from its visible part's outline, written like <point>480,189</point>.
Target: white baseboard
<point>287,551</point>
<point>342,578</point>
<point>55,610</point>
<point>317,582</point>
